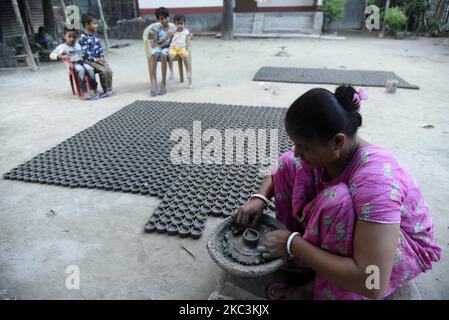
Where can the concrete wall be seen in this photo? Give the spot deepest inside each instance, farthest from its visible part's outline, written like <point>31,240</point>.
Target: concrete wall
<point>179,3</point>
<point>285,3</point>
<point>196,23</point>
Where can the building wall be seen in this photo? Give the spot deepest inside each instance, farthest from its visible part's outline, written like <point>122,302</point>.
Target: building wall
<point>285,3</point>
<point>216,6</point>
<point>181,6</point>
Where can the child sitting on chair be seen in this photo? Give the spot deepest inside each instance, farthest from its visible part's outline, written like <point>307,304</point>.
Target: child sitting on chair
<point>178,45</point>
<point>162,35</point>
<point>70,51</point>
<point>93,53</point>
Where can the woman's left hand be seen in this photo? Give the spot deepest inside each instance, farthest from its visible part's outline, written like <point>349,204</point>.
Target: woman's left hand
<point>275,244</point>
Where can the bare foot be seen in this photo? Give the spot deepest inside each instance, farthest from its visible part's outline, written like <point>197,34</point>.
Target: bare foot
<point>171,76</point>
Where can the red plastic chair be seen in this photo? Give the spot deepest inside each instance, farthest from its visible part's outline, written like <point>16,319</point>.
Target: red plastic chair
<point>75,81</point>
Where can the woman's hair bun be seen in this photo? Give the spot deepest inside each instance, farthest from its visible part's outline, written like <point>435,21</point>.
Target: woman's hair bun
<point>345,96</point>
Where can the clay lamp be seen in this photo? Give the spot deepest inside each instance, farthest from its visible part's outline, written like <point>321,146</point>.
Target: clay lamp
<point>183,231</point>
<point>183,207</point>
<point>231,205</point>
<point>233,198</point>
<point>170,212</point>
<point>161,227</point>
<point>190,215</point>
<point>165,218</point>
<point>199,224</point>
<point>194,208</point>
<point>173,205</point>
<point>222,197</point>
<point>197,202</point>
<point>220,204</point>
<point>201,216</point>
<point>153,191</point>
<point>196,233</point>
<point>205,209</point>
<point>209,202</point>
<point>217,211</point>
<point>188,200</point>
<point>150,226</point>
<point>164,204</point>
<point>251,237</point>
<point>179,214</point>
<point>188,222</point>
<point>172,229</point>
<point>159,211</point>
<point>176,221</point>
<point>228,212</point>
<point>178,198</point>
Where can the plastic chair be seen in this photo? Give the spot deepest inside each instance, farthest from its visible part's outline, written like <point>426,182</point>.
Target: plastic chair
<point>148,45</point>
<point>75,81</point>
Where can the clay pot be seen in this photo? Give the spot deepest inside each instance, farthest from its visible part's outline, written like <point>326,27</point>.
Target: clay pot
<point>150,226</point>
<point>190,215</point>
<point>196,233</point>
<point>180,214</point>
<point>159,211</point>
<point>205,209</point>
<point>161,227</point>
<point>217,211</point>
<point>227,212</point>
<point>188,222</point>
<point>220,204</point>
<point>176,221</point>
<point>165,218</point>
<point>201,216</point>
<point>209,202</point>
<point>199,223</point>
<point>183,231</point>
<point>251,237</point>
<point>172,229</point>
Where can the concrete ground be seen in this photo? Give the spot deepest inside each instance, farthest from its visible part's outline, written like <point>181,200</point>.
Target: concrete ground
<point>44,229</point>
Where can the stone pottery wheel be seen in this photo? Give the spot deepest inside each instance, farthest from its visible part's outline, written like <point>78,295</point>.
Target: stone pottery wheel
<point>234,248</point>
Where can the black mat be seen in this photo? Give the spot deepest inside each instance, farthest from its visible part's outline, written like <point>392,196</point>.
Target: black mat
<point>129,151</point>
<point>330,76</point>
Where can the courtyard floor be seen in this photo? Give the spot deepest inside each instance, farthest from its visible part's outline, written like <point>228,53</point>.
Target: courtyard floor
<point>44,229</point>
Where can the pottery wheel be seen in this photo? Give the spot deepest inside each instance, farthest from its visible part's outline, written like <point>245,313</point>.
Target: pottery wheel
<point>236,254</point>
<point>237,249</point>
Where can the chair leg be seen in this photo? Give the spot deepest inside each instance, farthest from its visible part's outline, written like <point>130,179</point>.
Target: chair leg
<point>89,85</point>
<point>181,70</point>
<point>71,84</point>
<point>78,85</point>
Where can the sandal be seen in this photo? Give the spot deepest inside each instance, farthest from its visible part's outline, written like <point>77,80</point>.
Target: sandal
<point>162,91</point>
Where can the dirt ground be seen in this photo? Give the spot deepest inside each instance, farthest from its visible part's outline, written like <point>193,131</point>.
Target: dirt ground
<point>101,232</point>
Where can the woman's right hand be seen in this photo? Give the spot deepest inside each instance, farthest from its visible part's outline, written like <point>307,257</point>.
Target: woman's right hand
<point>250,213</point>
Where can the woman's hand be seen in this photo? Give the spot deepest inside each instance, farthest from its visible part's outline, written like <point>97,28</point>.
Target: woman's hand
<point>275,244</point>
<point>250,213</point>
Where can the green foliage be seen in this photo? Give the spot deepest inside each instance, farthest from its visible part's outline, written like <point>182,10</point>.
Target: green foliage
<point>436,26</point>
<point>334,8</point>
<point>396,18</point>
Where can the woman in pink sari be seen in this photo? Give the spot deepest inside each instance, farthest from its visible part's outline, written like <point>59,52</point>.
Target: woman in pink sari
<point>353,214</point>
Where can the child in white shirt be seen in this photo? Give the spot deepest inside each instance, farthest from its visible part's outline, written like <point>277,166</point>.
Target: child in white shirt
<point>70,51</point>
<point>178,45</point>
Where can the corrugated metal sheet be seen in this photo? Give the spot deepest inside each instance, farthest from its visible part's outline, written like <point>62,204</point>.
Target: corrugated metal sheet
<point>37,14</point>
<point>8,21</point>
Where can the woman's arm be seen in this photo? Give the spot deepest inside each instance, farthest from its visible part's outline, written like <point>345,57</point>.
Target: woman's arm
<point>252,210</point>
<point>375,244</point>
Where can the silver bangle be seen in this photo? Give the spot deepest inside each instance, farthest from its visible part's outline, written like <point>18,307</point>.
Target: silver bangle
<point>289,242</point>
